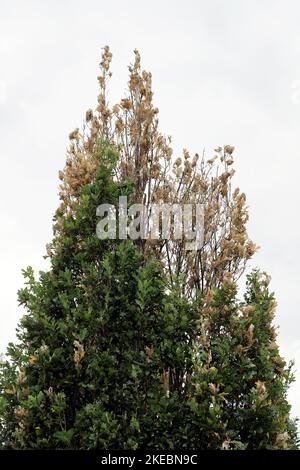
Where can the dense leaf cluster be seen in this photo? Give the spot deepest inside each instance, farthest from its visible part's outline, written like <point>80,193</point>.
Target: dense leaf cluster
<point>110,357</point>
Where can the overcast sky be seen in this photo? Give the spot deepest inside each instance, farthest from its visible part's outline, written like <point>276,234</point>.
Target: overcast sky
<point>224,72</point>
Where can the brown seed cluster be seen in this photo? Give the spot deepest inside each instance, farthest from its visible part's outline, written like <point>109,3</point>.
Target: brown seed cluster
<point>131,127</point>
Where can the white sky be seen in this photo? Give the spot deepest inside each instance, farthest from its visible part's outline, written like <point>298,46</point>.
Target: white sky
<point>224,72</point>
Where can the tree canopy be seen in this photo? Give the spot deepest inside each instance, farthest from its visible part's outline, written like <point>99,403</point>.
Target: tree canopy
<point>143,344</point>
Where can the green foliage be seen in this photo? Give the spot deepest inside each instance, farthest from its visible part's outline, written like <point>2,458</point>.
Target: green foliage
<point>108,357</point>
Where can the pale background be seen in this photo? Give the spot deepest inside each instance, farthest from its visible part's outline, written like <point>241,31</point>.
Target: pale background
<point>224,72</point>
